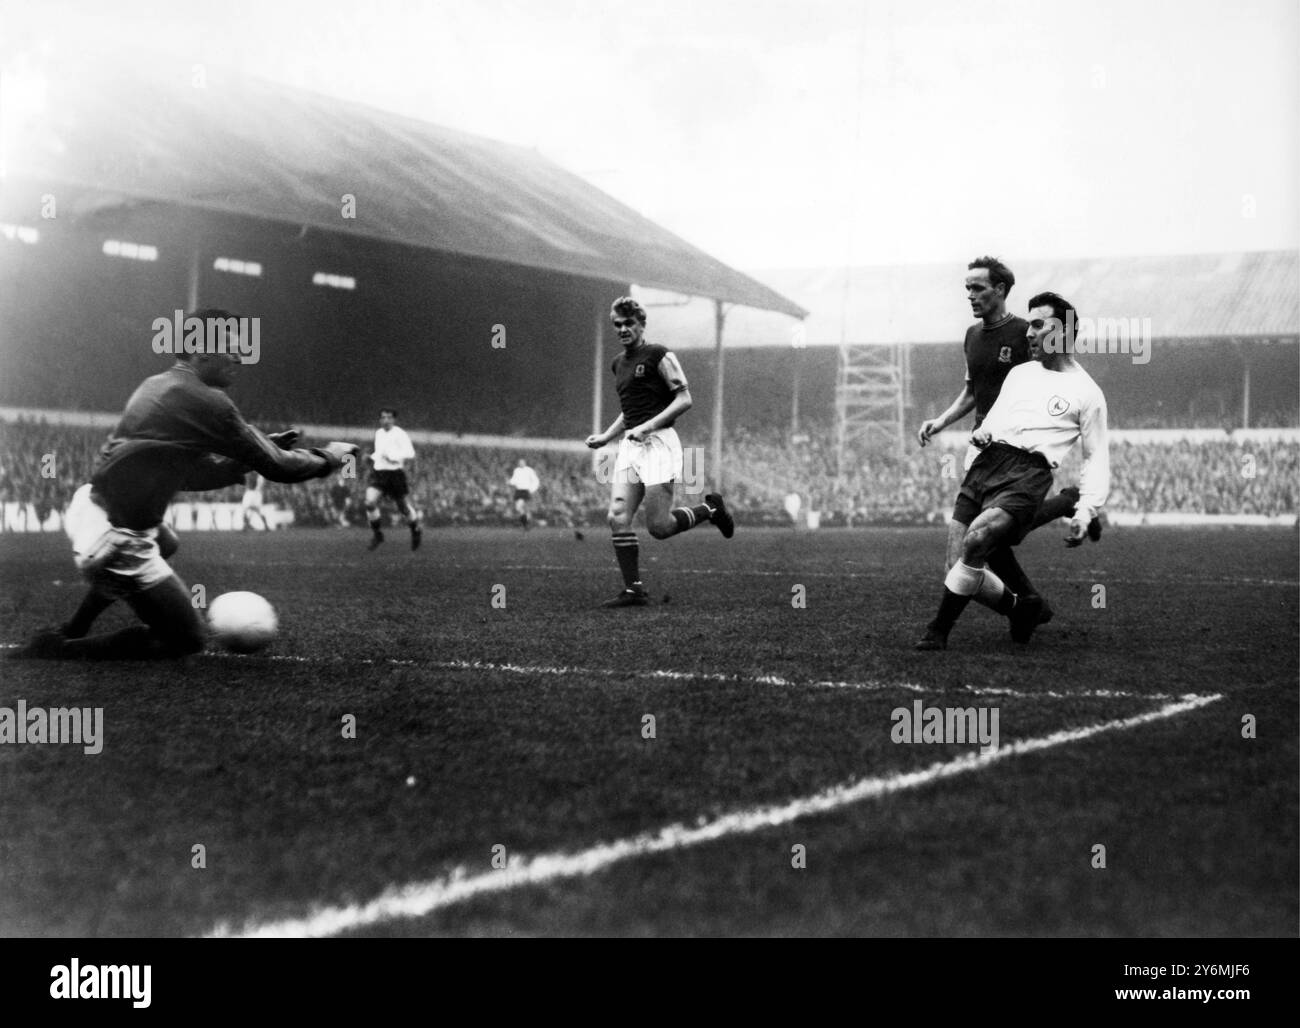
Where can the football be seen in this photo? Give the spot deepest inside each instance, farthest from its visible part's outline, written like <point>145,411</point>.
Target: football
<point>242,622</point>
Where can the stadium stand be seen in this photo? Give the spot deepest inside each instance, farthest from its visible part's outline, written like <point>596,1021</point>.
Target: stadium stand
<point>42,464</point>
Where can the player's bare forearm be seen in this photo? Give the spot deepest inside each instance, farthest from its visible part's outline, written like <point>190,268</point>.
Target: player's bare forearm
<point>680,405</point>
<point>958,409</point>
<point>600,439</point>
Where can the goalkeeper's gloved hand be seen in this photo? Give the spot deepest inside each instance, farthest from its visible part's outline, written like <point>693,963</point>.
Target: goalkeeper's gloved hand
<point>338,454</point>
<point>287,439</point>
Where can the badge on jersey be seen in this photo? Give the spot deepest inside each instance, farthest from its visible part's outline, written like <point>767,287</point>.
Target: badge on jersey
<point>639,372</point>
<point>1057,406</point>
<point>1004,355</point>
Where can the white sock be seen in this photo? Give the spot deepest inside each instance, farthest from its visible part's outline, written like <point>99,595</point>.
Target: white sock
<point>963,579</point>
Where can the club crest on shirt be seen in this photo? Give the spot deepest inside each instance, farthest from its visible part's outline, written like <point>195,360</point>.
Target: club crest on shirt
<point>1057,406</point>
<point>639,372</point>
<point>1004,355</point>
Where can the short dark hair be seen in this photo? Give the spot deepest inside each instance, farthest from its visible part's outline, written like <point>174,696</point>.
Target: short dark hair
<point>627,307</point>
<point>388,410</point>
<point>999,273</point>
<point>203,314</point>
<point>1062,309</point>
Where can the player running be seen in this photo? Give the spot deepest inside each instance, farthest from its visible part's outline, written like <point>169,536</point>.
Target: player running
<point>179,432</point>
<point>1044,406</point>
<point>652,392</point>
<point>393,448</point>
<point>993,346</point>
<point>251,504</point>
<point>524,481</point>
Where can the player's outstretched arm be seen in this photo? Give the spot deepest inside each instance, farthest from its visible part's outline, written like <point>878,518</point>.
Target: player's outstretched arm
<point>286,440</point>
<point>241,442</point>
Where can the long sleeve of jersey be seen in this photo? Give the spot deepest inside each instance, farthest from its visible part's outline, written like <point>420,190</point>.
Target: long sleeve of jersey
<point>1046,412</point>
<point>254,451</point>
<point>1094,477</point>
<point>177,433</point>
<point>213,473</point>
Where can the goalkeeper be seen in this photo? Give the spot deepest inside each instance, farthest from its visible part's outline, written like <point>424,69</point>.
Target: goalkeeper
<point>179,432</point>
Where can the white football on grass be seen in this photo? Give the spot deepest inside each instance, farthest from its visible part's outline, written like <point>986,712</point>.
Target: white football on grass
<point>242,622</point>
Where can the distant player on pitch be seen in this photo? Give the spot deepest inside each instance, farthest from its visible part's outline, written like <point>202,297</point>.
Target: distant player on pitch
<point>525,482</point>
<point>1044,406</point>
<point>653,394</point>
<point>393,448</point>
<point>251,504</point>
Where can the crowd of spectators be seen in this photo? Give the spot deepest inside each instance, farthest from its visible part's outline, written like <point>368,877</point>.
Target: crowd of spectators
<point>42,464</point>
<point>456,485</point>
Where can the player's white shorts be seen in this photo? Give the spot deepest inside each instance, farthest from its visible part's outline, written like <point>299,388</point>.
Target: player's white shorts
<point>252,498</point>
<point>117,561</point>
<point>653,462</point>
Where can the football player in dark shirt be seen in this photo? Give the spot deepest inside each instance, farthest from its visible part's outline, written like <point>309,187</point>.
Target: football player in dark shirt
<point>179,432</point>
<point>993,346</point>
<point>652,393</point>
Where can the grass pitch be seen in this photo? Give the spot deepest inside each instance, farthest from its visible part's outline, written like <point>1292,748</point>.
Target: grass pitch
<point>486,730</point>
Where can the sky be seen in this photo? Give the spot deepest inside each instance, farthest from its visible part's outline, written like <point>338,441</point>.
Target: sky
<point>816,133</point>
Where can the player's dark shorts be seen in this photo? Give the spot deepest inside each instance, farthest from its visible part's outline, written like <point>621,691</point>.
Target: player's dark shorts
<point>391,483</point>
<point>1007,477</point>
<point>523,494</point>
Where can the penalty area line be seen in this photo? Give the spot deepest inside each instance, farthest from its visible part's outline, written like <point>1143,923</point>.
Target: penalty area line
<point>422,898</point>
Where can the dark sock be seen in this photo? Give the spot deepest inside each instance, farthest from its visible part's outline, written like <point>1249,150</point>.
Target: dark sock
<point>1002,562</point>
<point>1059,506</point>
<point>138,642</point>
<point>950,608</point>
<point>628,552</point>
<point>689,517</point>
<point>1005,603</point>
<point>91,607</point>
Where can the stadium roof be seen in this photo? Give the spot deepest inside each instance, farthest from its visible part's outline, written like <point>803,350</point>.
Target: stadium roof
<point>1187,298</point>
<point>141,131</point>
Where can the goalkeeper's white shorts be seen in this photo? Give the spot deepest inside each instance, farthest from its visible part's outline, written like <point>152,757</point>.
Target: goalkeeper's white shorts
<point>118,562</point>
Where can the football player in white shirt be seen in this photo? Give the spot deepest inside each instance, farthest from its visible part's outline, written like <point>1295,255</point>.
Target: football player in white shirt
<point>1045,405</point>
<point>525,482</point>
<point>393,448</point>
<point>252,504</point>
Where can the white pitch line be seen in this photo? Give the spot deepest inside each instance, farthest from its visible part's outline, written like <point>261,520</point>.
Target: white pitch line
<point>713,676</point>
<point>698,676</point>
<point>419,899</point>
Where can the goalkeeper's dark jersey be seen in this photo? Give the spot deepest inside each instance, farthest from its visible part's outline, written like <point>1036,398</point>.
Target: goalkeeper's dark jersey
<point>646,382</point>
<point>179,434</point>
<point>990,354</point>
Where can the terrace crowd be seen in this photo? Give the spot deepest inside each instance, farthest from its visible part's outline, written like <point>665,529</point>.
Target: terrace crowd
<point>41,465</point>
